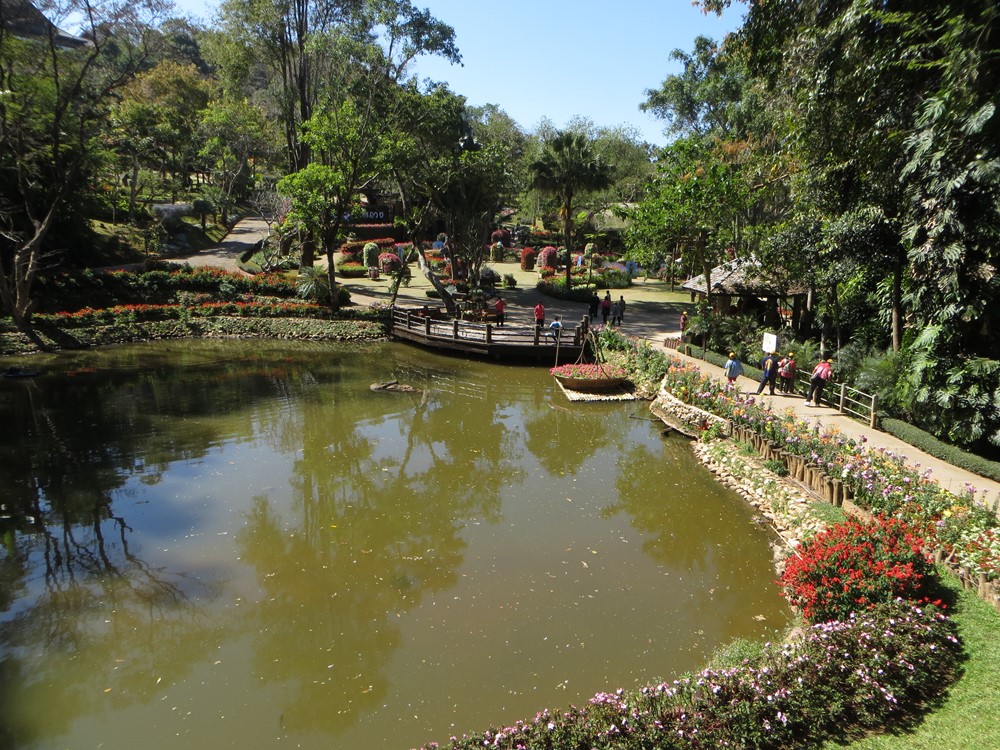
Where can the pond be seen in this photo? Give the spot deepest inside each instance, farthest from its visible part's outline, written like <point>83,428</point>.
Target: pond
<point>239,544</point>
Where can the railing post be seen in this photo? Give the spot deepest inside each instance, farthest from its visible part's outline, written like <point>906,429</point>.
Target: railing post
<point>489,334</point>
<point>427,327</point>
<point>873,419</point>
<point>407,318</point>
<point>843,396</point>
<point>537,329</point>
<point>454,330</point>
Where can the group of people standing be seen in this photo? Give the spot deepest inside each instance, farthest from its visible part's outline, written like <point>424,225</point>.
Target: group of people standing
<point>783,371</point>
<point>608,309</point>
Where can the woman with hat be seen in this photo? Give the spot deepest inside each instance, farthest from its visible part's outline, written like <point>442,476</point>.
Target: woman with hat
<point>820,374</point>
<point>786,373</point>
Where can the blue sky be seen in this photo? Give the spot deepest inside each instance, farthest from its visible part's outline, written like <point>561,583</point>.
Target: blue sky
<point>558,59</point>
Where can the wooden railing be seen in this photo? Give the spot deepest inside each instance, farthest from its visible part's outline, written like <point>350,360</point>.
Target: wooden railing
<point>858,404</point>
<point>433,324</point>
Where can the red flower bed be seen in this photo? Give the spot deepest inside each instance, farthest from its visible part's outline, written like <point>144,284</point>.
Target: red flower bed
<point>852,566</point>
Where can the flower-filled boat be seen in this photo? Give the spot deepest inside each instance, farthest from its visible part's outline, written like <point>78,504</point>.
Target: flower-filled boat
<point>590,378</point>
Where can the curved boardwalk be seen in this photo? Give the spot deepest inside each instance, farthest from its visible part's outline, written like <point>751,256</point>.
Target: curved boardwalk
<point>428,328</point>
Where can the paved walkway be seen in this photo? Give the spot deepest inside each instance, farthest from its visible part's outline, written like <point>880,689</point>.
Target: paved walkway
<point>646,318</point>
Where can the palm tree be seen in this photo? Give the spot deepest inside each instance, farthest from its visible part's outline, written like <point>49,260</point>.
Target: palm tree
<point>568,166</point>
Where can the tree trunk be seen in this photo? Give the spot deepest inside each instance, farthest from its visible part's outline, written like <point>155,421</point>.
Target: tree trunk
<point>331,277</point>
<point>133,189</point>
<point>568,239</point>
<point>307,254</point>
<point>428,272</point>
<point>897,305</point>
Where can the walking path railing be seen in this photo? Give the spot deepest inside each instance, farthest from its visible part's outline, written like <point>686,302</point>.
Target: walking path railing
<point>851,401</point>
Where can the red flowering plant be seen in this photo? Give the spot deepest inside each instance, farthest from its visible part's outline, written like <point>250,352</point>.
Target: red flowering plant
<point>853,566</point>
<point>548,256</point>
<point>389,262</point>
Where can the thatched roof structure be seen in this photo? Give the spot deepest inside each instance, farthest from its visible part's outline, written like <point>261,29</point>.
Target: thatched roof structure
<point>21,18</point>
<point>744,276</point>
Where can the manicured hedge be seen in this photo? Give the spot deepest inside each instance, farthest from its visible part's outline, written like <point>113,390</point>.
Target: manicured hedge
<point>556,287</point>
<point>341,329</point>
<point>66,292</point>
<point>950,453</point>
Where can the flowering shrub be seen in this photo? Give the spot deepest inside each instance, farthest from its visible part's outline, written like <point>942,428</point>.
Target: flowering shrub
<point>527,259</point>
<point>853,566</point>
<point>589,372</point>
<point>857,674</point>
<point>546,272</point>
<point>389,262</point>
<point>548,257</point>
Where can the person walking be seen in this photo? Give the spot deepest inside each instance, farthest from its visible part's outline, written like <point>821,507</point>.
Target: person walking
<point>605,307</point>
<point>593,304</point>
<point>684,323</point>
<point>732,370</point>
<point>616,314</point>
<point>621,309</point>
<point>768,373</point>
<point>786,373</point>
<point>500,306</point>
<point>820,374</point>
<point>539,315</point>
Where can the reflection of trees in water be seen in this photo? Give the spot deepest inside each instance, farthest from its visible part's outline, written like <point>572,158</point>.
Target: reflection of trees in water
<point>77,439</point>
<point>561,438</point>
<point>688,526</point>
<point>95,602</point>
<point>382,489</point>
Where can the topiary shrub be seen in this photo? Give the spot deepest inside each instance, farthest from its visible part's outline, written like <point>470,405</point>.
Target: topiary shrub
<point>527,259</point>
<point>389,262</point>
<point>548,257</point>
<point>369,255</point>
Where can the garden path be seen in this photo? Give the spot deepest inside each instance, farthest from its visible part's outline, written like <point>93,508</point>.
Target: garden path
<point>950,477</point>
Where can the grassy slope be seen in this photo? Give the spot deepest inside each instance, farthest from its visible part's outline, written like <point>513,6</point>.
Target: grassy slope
<point>967,720</point>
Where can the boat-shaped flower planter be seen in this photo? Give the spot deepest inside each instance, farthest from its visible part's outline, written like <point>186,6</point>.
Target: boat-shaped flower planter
<point>590,378</point>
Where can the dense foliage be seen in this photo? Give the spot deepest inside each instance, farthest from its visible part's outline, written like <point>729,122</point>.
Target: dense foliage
<point>850,153</point>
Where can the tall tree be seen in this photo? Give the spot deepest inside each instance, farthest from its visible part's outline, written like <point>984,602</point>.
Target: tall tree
<point>54,98</point>
<point>446,174</point>
<point>299,44</point>
<point>567,168</point>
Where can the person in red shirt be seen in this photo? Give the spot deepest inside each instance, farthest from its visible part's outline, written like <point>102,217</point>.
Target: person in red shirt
<point>820,374</point>
<point>500,307</point>
<point>539,315</point>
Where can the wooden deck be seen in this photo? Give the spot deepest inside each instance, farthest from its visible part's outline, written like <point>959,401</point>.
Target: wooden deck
<point>427,327</point>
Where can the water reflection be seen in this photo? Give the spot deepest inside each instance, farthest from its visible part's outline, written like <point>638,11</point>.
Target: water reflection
<point>222,545</point>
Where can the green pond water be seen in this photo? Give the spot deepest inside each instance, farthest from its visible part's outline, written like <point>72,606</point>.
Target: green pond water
<point>239,545</point>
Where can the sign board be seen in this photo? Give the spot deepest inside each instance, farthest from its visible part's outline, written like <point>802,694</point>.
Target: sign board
<point>371,215</point>
<point>770,343</point>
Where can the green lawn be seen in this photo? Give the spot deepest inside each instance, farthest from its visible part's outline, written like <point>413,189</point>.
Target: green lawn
<point>968,719</point>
